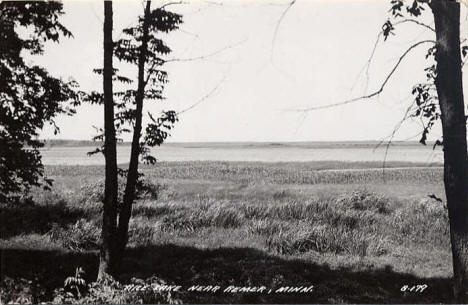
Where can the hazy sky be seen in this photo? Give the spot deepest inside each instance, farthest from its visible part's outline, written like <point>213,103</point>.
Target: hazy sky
<point>316,58</point>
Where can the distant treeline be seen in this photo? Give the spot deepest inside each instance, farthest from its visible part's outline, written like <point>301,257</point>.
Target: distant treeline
<point>310,144</point>
<point>75,143</point>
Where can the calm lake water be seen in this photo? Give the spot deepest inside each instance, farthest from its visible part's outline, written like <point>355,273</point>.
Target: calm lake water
<point>266,152</point>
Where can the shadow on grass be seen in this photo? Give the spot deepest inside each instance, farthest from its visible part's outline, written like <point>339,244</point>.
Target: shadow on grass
<point>35,218</point>
<point>189,266</point>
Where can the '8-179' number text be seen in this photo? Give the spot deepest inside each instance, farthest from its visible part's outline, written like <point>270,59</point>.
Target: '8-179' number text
<point>415,288</point>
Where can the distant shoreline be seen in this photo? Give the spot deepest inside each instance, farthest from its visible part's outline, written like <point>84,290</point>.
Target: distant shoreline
<point>305,144</point>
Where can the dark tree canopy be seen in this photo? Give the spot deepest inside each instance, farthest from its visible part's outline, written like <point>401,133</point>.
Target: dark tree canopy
<point>29,96</point>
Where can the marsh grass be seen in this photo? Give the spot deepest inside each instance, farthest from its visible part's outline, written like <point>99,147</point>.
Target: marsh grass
<point>341,218</point>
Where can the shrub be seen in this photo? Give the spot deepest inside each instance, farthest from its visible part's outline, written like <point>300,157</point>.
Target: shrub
<point>364,200</point>
<point>81,236</point>
<point>431,206</point>
<point>21,291</point>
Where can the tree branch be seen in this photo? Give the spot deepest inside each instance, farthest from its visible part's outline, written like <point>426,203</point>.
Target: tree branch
<point>171,3</point>
<point>375,93</point>
<point>379,36</point>
<point>391,136</point>
<point>278,24</point>
<point>206,55</point>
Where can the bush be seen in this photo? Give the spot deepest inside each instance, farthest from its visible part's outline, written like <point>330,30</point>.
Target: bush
<point>81,236</point>
<point>364,200</point>
<point>21,291</point>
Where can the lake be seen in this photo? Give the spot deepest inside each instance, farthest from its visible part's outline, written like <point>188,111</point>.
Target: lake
<point>265,152</point>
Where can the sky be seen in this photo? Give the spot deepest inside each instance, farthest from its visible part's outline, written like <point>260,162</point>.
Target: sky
<point>246,70</point>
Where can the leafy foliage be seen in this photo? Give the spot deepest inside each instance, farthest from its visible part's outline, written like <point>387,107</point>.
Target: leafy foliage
<point>29,96</point>
<point>75,284</point>
<point>426,103</point>
<point>128,49</point>
<point>110,291</point>
<point>139,46</point>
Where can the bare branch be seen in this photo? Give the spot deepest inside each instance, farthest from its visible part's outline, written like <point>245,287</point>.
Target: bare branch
<point>397,126</point>
<point>379,36</point>
<point>391,136</point>
<point>278,24</point>
<point>375,93</point>
<point>416,22</point>
<point>206,55</point>
<point>172,3</point>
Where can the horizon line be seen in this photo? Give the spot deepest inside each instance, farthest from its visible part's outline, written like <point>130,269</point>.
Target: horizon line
<point>249,141</point>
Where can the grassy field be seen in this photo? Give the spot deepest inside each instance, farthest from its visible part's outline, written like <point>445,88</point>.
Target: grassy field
<point>354,231</point>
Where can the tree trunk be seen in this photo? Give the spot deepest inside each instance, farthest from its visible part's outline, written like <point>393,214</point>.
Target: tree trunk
<point>450,93</point>
<point>109,219</point>
<point>132,175</point>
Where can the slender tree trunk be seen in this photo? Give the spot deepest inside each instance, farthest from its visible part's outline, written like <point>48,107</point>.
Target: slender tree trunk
<point>132,176</point>
<point>109,219</point>
<point>450,93</point>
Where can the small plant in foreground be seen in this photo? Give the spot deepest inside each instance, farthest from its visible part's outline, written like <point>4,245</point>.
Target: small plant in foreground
<point>110,291</point>
<point>76,284</point>
<point>74,287</point>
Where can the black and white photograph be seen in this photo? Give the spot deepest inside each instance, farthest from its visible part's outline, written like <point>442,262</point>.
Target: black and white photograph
<point>233,152</point>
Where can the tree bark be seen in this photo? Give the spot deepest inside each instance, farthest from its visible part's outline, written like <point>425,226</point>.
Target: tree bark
<point>132,175</point>
<point>109,219</point>
<point>450,94</point>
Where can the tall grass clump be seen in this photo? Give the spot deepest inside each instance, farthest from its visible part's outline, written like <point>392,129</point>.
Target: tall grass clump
<point>141,231</point>
<point>293,210</point>
<point>267,227</point>
<point>326,239</point>
<point>421,222</point>
<point>220,215</point>
<point>94,191</point>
